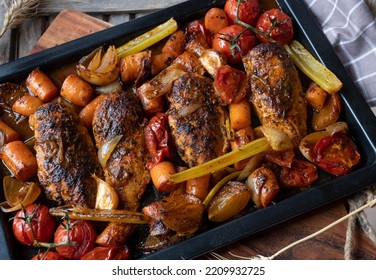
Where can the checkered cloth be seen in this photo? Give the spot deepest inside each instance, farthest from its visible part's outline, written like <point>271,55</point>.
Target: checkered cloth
<point>351,29</point>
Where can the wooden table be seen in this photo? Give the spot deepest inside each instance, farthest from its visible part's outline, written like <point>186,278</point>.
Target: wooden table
<point>329,245</point>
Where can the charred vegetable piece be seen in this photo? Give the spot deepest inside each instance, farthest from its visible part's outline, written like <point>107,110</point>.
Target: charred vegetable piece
<point>229,201</point>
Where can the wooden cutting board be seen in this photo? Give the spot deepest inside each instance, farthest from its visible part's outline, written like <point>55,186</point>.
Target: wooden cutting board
<point>71,24</point>
<point>67,26</point>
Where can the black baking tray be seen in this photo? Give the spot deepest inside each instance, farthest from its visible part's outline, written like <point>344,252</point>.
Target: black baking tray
<point>355,112</point>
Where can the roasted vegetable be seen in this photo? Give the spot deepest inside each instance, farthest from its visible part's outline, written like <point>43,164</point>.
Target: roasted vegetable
<point>231,199</point>
<point>310,66</point>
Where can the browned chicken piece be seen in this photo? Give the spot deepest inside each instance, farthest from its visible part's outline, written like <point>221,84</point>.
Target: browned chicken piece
<point>161,83</point>
<point>197,120</point>
<point>277,94</point>
<point>66,156</point>
<point>121,114</point>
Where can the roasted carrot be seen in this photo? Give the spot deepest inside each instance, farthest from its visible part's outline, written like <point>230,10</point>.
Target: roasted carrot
<point>9,133</point>
<point>76,90</point>
<point>160,175</point>
<point>175,44</point>
<point>315,96</point>
<point>241,137</point>
<point>40,85</point>
<point>87,113</point>
<point>199,187</point>
<point>240,114</point>
<point>20,160</point>
<point>26,105</point>
<point>135,67</point>
<point>215,20</point>
<point>160,62</point>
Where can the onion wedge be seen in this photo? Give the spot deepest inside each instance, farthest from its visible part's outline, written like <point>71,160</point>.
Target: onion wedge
<point>316,71</point>
<point>218,186</point>
<point>148,39</point>
<point>18,193</point>
<point>246,151</point>
<point>100,215</point>
<point>105,151</point>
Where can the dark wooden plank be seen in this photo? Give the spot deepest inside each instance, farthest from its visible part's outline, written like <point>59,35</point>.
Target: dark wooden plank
<point>67,26</point>
<point>108,6</point>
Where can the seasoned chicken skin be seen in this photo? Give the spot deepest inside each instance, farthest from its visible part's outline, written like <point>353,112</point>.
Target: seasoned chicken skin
<point>121,114</point>
<point>196,119</point>
<point>276,90</point>
<point>66,155</point>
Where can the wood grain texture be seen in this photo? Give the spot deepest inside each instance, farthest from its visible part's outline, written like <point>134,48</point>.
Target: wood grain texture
<point>108,6</point>
<point>67,26</point>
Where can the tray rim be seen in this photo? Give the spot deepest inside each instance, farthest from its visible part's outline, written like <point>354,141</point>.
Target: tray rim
<point>238,228</point>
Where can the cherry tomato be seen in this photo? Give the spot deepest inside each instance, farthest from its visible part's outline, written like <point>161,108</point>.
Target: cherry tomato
<point>158,140</point>
<point>281,158</point>
<point>198,26</point>
<point>249,10</point>
<point>277,25</point>
<point>43,224</point>
<point>234,42</point>
<point>336,154</point>
<point>107,253</point>
<point>231,84</point>
<point>50,255</point>
<point>81,232</point>
<point>301,174</point>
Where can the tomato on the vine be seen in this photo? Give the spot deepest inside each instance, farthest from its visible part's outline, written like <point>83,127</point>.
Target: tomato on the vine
<point>277,25</point>
<point>301,174</point>
<point>81,233</point>
<point>337,154</point>
<point>247,10</point>
<point>234,42</point>
<point>231,84</point>
<point>42,224</point>
<point>107,253</point>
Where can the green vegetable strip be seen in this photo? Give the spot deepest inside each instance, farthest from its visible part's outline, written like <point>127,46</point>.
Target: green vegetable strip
<point>257,146</point>
<point>116,216</point>
<point>316,71</point>
<point>148,39</point>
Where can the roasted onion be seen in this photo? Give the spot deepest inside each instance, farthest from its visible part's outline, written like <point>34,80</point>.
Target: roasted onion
<point>18,193</point>
<point>105,151</point>
<point>101,70</point>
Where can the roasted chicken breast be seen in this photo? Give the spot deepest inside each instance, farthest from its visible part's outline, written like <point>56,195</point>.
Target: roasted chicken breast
<point>121,114</point>
<point>66,155</point>
<point>277,94</point>
<point>197,120</point>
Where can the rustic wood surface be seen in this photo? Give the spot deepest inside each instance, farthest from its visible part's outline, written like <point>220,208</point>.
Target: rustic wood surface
<point>53,25</point>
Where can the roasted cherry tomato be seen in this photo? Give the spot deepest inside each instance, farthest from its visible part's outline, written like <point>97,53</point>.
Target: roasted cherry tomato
<point>43,224</point>
<point>234,42</point>
<point>82,233</point>
<point>158,140</point>
<point>336,154</point>
<point>301,174</point>
<point>276,25</point>
<point>249,10</point>
<point>281,158</point>
<point>198,26</point>
<point>50,255</point>
<point>231,84</point>
<point>107,253</point>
